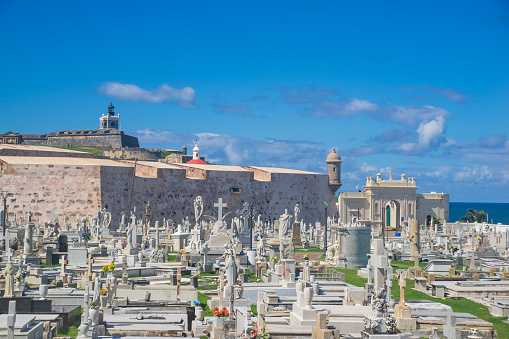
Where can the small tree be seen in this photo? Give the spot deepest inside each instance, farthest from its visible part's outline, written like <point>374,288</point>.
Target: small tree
<point>474,216</point>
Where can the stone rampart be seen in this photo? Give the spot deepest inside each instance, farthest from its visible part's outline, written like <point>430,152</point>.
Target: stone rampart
<point>73,190</point>
<point>79,190</point>
<point>92,138</point>
<point>131,154</point>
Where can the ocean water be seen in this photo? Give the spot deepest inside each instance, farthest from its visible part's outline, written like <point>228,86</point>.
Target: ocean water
<point>497,212</point>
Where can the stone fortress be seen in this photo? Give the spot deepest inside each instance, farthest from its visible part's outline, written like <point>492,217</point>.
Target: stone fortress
<point>108,135</point>
<point>76,183</point>
<point>79,186</point>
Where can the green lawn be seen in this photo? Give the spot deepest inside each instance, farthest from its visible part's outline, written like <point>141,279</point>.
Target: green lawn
<point>202,298</point>
<point>254,309</point>
<point>44,265</point>
<point>93,150</point>
<point>308,250</point>
<point>457,304</point>
<point>398,265</point>
<point>351,276</point>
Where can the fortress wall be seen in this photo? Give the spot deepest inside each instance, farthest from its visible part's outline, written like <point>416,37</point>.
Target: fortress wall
<point>113,140</point>
<point>129,141</point>
<point>78,191</point>
<point>130,154</point>
<point>68,189</point>
<point>19,151</point>
<point>172,197</point>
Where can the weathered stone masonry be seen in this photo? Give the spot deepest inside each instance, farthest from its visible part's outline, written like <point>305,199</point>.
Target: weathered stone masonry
<point>78,187</point>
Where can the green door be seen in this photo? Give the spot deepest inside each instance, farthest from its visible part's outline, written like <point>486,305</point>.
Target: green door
<point>388,214</point>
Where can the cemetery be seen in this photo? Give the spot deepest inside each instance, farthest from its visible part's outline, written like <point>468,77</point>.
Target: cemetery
<point>226,271</point>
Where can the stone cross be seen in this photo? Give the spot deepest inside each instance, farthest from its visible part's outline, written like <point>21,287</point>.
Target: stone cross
<point>90,261</point>
<point>232,301</point>
<point>52,215</point>
<point>379,264</point>
<point>125,275</point>
<point>9,254</point>
<point>220,290</point>
<point>219,204</point>
<point>206,250</point>
<point>179,278</point>
<point>62,269</point>
<point>86,304</point>
<point>157,229</point>
<point>11,319</point>
<point>402,285</point>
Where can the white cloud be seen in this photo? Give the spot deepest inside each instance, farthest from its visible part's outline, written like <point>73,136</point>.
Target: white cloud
<point>413,115</point>
<point>476,173</point>
<point>184,97</point>
<point>429,134</point>
<point>357,105</point>
<point>430,130</point>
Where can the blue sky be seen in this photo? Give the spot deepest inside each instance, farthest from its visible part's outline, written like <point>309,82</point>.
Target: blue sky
<point>411,87</point>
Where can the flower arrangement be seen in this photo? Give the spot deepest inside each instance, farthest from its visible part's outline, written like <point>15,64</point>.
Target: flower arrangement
<point>196,303</point>
<point>306,257</point>
<point>136,245</point>
<point>220,312</point>
<point>183,252</point>
<point>255,332</point>
<point>161,246</point>
<point>103,291</point>
<point>122,244</point>
<point>273,259</point>
<point>109,268</point>
<point>279,262</point>
<point>21,275</point>
<point>239,281</point>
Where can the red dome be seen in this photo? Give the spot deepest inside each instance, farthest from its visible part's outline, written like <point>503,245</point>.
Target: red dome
<point>197,162</point>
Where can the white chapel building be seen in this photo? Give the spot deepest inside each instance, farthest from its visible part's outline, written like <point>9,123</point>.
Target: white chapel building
<point>392,203</point>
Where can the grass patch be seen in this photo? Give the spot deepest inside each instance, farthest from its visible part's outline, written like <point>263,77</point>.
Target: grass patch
<point>254,309</point>
<point>71,331</point>
<point>398,265</point>
<point>203,298</point>
<point>44,265</point>
<point>93,150</point>
<point>351,276</point>
<point>207,287</point>
<point>308,250</point>
<point>457,305</point>
<point>322,258</point>
<point>252,277</point>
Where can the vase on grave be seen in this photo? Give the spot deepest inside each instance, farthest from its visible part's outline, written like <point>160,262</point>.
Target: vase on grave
<point>240,291</point>
<point>219,321</point>
<point>104,300</point>
<point>43,291</point>
<point>198,311</point>
<point>271,264</point>
<point>93,313</point>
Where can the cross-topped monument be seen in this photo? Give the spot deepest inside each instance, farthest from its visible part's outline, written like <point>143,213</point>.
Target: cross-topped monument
<point>53,216</point>
<point>219,205</point>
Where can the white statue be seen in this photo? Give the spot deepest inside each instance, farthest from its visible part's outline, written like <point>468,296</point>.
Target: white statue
<point>284,224</point>
<point>198,208</point>
<point>296,211</point>
<point>9,281</point>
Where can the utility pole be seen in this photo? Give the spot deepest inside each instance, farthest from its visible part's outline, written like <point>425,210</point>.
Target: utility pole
<point>4,221</point>
<point>326,204</point>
